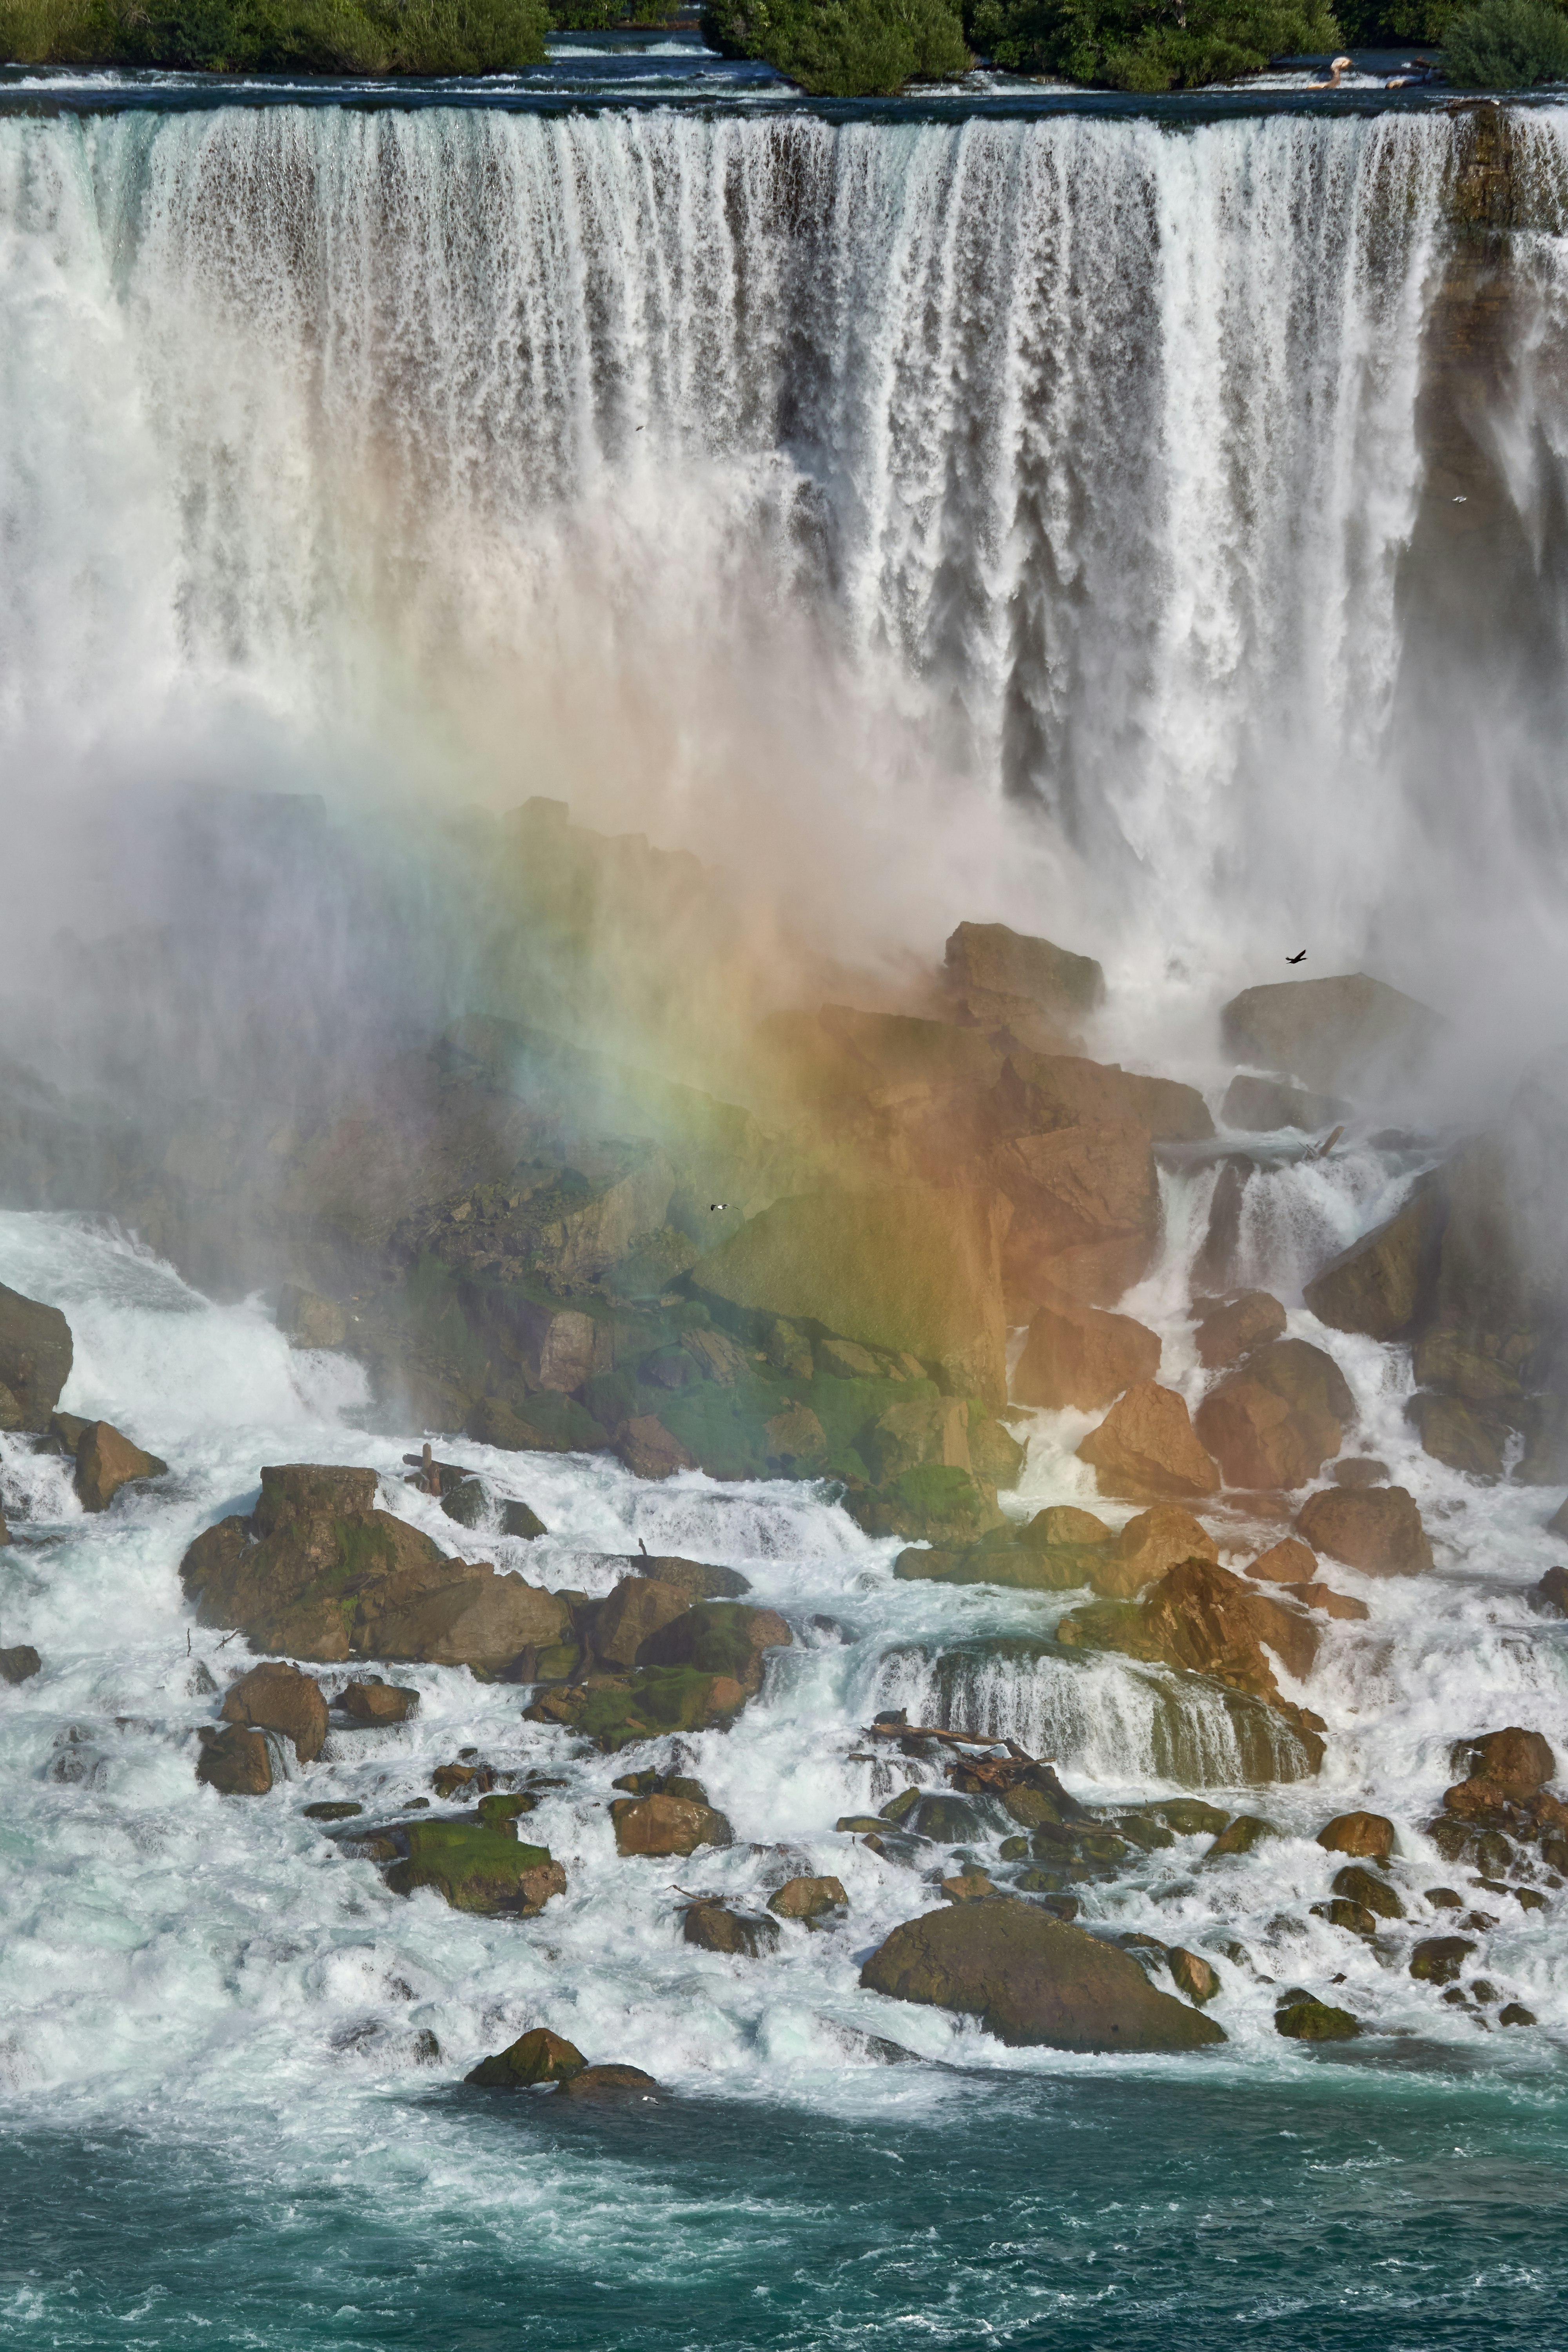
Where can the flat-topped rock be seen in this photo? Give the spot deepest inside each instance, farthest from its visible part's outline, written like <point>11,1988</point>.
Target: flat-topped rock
<point>1346,1035</point>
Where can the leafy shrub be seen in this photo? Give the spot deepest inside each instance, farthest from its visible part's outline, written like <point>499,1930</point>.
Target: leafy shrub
<point>843,49</point>
<point>358,36</point>
<point>1507,44</point>
<point>1148,45</point>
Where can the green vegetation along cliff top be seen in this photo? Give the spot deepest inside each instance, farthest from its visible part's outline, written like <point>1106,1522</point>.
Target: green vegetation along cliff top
<point>328,36</point>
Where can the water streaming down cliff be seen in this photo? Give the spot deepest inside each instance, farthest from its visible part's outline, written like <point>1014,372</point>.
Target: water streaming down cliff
<point>1069,460</point>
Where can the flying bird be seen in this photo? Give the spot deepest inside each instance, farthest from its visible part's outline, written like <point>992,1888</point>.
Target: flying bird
<point>713,1205</point>
<point>1297,958</point>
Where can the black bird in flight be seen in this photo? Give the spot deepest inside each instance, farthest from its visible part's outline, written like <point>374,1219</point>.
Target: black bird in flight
<point>712,1205</point>
<point>1297,958</point>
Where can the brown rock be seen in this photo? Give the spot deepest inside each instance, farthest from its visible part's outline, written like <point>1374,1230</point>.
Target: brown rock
<point>319,1572</point>
<point>1373,1894</point>
<point>1038,1093</point>
<point>558,1346</point>
<point>1446,1359</point>
<point>713,1927</point>
<point>1308,1377</point>
<point>1377,1284</point>
<point>908,1435</point>
<point>1064,1523</point>
<point>1518,1761</point>
<point>1094,1272</point>
<point>1080,1356</point>
<point>495,1422</point>
<point>1368,1836</point>
<point>1145,1448</point>
<point>1227,1332</point>
<point>537,1885</point>
<point>662,1825</point>
<point>699,1580</point>
<point>35,1360</point>
<point>1286,1562</point>
<point>378,1702</point>
<point>1332,1603</point>
<point>106,1461</point>
<point>969,1886</point>
<point>638,1608</point>
<point>797,1440</point>
<point>609,2086</point>
<point>1193,1974</point>
<point>1147,1547</point>
<point>988,961</point>
<point>1080,1186</point>
<point>20,1664</point>
<point>1375,1529</point>
<point>1200,1617</point>
<point>1549,1596</point>
<point>1258,1440</point>
<point>808,1898</point>
<point>308,1320</point>
<point>1032,1980</point>
<point>724,1638</point>
<point>539,2056</point>
<point>1214,1268</point>
<point>1478,1799</point>
<point>235,1762</point>
<point>649,1450</point>
<point>1360,1470</point>
<point>1263,1105</point>
<point>1347,1033</point>
<point>277,1696</point>
<point>1458,1434</point>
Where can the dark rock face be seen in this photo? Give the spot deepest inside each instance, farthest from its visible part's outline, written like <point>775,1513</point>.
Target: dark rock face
<point>235,1762</point>
<point>1259,1441</point>
<point>609,2086</point>
<point>1378,1285</point>
<point>318,1572</point>
<point>1375,1529</point>
<point>714,1927</point>
<point>638,1608</point>
<point>699,1580</point>
<point>1232,1328</point>
<point>20,1664</point>
<point>1262,1106</point>
<point>1439,1960</point>
<point>1344,1035</point>
<point>1030,1978</point>
<point>1459,1435</point>
<point>539,2056</point>
<point>373,1701</point>
<point>278,1697</point>
<point>35,1360</point>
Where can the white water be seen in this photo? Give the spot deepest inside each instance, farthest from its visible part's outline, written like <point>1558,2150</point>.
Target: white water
<point>818,494</point>
<point>217,1959</point>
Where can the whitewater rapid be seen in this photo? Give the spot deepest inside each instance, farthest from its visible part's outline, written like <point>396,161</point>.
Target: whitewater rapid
<point>822,492</point>
<point>198,1966</point>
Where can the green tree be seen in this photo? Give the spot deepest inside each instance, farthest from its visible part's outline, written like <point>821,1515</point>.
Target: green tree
<point>1507,44</point>
<point>843,49</point>
<point>1148,45</point>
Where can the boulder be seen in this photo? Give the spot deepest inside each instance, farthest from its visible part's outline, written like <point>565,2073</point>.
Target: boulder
<point>1038,1092</point>
<point>968,1886</point>
<point>1147,1547</point>
<point>1345,1035</point>
<point>477,1866</point>
<point>558,1345</point>
<point>235,1762</point>
<point>373,1701</point>
<point>718,1637</point>
<point>908,1436</point>
<point>1303,2018</point>
<point>35,1360</point>
<point>1093,1187</point>
<point>1557,1525</point>
<point>319,1572</point>
<point>1360,1470</point>
<point>1451,1360</point>
<point>1230,1329</point>
<point>1286,1562</point>
<point>1256,1438</point>
<point>902,1267</point>
<point>1064,1523</point>
<point>106,1461</point>
<point>1145,1448</point>
<point>1193,1974</point>
<point>539,2056</point>
<point>19,1663</point>
<point>4,1532</point>
<point>650,1450</point>
<point>1082,1356</point>
<point>1332,1603</point>
<point>1519,1763</point>
<point>1373,1894</point>
<point>1000,975</point>
<point>1550,1597</point>
<point>664,1824</point>
<point>713,1927</point>
<point>1263,1105</point>
<point>1458,1434</point>
<point>1240,1836</point>
<point>1214,1268</point>
<point>638,1608</point>
<point>277,1696</point>
<point>308,1320</point>
<point>796,1442</point>
<point>1200,1617</point>
<point>699,1580</point>
<point>1439,1960</point>
<point>608,2087</point>
<point>1032,1980</point>
<point>808,1898</point>
<point>1375,1529</point>
<point>846,1359</point>
<point>548,1424</point>
<point>1307,1378</point>
<point>1379,1283</point>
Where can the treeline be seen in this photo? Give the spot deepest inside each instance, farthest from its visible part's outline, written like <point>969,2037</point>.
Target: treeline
<point>325,36</point>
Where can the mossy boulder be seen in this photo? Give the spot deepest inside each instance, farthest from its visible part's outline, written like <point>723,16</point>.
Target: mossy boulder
<point>727,1639</point>
<point>1301,2017</point>
<point>539,2056</point>
<point>1032,1980</point>
<point>645,1705</point>
<point>473,1865</point>
<point>950,1508</point>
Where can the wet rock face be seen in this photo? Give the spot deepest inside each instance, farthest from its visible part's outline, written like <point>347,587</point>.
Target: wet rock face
<point>1145,1448</point>
<point>539,2056</point>
<point>1517,1762</point>
<point>105,1461</point>
<point>1232,1328</point>
<point>1082,1356</point>
<point>1378,1285</point>
<point>278,1697</point>
<point>1286,1562</point>
<point>374,1702</point>
<point>319,1572</point>
<point>808,1898</point>
<point>19,1663</point>
<point>638,1608</point>
<point>713,1927</point>
<point>235,1762</point>
<point>1375,1529</point>
<point>1032,1980</point>
<point>609,2086</point>
<point>995,974</point>
<point>1341,1034</point>
<point>1262,1106</point>
<point>1300,2017</point>
<point>1147,1547</point>
<point>1369,1836</point>
<point>1085,1210</point>
<point>35,1360</point>
<point>478,1866</point>
<point>1256,1438</point>
<point>663,1824</point>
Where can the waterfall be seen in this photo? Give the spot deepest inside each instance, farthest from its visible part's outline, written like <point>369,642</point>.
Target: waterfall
<point>1069,462</point>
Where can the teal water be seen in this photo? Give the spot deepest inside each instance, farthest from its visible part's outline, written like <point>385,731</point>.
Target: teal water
<point>1357,2211</point>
